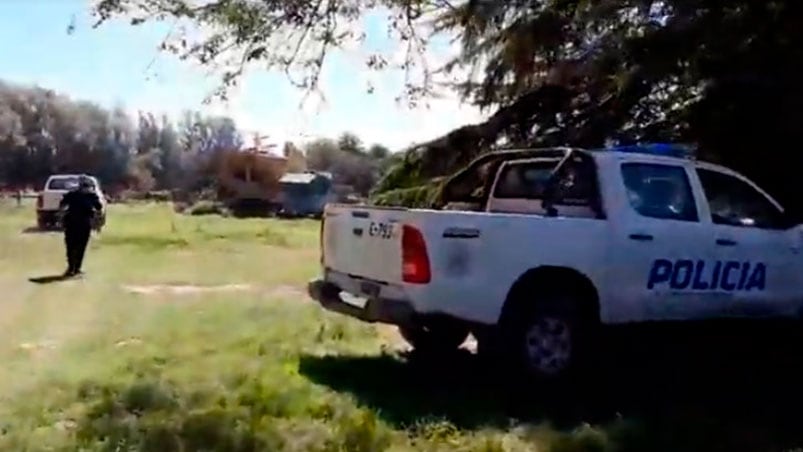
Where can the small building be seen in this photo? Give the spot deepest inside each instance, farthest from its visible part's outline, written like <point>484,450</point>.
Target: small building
<point>305,194</point>
<point>247,178</point>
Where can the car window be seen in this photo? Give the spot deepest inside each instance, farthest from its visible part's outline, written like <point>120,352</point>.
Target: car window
<point>63,183</point>
<point>659,191</point>
<point>524,180</point>
<point>734,202</point>
<point>529,181</point>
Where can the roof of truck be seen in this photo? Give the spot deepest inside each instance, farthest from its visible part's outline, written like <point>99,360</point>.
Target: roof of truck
<point>302,178</point>
<point>650,152</point>
<point>657,153</point>
<point>70,175</point>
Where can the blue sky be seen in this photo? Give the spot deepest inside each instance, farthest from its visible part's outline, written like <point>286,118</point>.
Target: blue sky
<point>119,65</point>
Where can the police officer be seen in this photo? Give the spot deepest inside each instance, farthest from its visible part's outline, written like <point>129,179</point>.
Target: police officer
<point>80,206</point>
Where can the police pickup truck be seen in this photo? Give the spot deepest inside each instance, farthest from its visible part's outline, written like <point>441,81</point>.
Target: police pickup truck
<point>556,242</point>
<point>48,210</point>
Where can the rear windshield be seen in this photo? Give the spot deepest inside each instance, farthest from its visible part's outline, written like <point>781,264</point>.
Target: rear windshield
<point>576,185</point>
<point>63,183</point>
<point>524,180</point>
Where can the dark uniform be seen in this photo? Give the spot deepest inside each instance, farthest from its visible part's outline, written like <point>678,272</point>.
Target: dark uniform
<point>81,206</point>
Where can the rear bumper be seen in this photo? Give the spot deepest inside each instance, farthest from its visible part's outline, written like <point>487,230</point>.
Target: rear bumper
<point>328,295</point>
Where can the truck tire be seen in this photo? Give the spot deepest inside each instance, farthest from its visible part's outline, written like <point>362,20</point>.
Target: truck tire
<point>549,340</point>
<point>441,338</point>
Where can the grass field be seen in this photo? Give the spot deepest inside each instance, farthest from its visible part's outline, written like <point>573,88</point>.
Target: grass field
<point>194,334</point>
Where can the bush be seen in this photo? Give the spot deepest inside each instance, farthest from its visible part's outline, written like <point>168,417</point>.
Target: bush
<point>158,196</point>
<point>153,416</point>
<point>207,208</point>
<point>405,173</point>
<point>421,196</point>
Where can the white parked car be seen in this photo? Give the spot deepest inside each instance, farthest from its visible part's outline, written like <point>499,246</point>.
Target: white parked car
<point>48,213</point>
<point>559,242</point>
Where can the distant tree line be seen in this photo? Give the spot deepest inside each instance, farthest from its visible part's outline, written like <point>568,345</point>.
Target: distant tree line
<point>350,162</point>
<point>43,132</point>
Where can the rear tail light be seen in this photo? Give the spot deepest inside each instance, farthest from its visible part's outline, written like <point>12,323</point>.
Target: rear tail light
<point>415,260</point>
<point>40,201</point>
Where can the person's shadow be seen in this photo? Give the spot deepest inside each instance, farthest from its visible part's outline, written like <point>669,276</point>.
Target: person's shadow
<point>49,279</point>
<point>36,230</point>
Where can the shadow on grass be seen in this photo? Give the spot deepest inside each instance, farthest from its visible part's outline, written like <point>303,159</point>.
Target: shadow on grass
<point>145,241</point>
<point>717,387</point>
<point>49,279</point>
<point>37,230</point>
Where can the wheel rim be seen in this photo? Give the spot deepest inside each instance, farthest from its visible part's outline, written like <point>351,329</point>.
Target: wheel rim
<point>549,345</point>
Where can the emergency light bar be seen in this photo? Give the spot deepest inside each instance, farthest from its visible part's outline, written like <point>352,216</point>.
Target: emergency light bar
<point>659,149</point>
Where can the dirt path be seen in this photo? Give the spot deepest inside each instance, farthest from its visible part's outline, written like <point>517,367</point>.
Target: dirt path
<point>184,289</point>
<point>281,291</point>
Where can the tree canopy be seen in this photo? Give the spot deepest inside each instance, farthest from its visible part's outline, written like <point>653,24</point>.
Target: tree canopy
<point>43,132</point>
<point>721,75</point>
<point>348,161</point>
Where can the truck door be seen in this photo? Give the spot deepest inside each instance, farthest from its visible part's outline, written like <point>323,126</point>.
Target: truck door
<point>662,248</point>
<point>757,249</point>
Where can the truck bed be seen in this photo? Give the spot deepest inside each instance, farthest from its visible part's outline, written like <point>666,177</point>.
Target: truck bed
<point>364,241</point>
<point>472,258</point>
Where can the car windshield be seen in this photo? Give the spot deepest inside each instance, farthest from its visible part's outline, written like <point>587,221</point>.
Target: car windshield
<point>63,183</point>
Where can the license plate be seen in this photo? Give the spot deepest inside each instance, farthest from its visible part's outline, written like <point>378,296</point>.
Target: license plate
<point>380,230</point>
<point>370,289</point>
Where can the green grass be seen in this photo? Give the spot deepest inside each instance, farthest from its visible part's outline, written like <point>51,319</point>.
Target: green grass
<point>90,365</point>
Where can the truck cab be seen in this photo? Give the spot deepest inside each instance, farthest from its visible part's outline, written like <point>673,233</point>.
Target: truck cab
<point>520,183</point>
<point>553,243</point>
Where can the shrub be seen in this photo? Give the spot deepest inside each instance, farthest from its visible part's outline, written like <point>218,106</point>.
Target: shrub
<point>207,208</point>
<point>417,197</point>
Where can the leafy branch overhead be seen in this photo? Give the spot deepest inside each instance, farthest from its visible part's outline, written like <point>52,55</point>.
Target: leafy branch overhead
<point>293,36</point>
<point>723,75</point>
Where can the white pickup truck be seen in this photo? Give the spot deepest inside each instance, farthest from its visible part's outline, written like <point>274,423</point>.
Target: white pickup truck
<point>558,242</point>
<point>48,212</point>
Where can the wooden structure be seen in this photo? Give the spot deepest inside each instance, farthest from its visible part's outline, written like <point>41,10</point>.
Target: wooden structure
<point>250,173</point>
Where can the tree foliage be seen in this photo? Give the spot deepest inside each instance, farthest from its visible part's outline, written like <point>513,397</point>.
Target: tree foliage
<point>42,132</point>
<point>348,161</point>
<point>293,36</point>
<point>722,75</point>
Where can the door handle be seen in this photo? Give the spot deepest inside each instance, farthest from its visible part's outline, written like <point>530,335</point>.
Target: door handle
<point>726,242</point>
<point>640,237</point>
